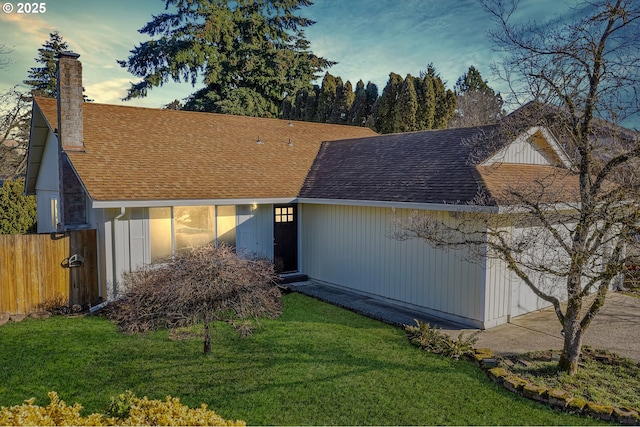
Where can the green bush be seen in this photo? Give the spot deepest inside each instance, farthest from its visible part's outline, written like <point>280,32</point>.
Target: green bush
<point>432,339</point>
<point>17,212</point>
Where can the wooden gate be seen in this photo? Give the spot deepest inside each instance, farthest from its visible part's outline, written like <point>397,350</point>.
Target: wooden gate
<point>37,269</point>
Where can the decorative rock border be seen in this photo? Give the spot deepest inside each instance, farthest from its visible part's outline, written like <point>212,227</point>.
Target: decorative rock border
<point>7,317</point>
<point>555,398</point>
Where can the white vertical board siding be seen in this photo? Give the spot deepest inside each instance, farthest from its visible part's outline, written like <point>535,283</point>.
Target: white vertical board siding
<point>139,239</point>
<point>509,296</point>
<point>547,252</point>
<point>254,233</point>
<point>349,246</point>
<point>47,185</point>
<point>522,151</point>
<point>498,288</point>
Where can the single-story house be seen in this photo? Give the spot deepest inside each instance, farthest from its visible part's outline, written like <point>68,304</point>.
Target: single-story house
<point>316,198</point>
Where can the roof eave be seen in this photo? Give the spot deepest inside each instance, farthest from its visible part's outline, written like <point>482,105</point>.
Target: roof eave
<point>106,204</point>
<point>449,207</point>
<point>549,207</point>
<point>38,133</point>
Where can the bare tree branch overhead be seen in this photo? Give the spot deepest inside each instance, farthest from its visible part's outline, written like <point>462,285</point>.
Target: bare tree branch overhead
<point>563,230</point>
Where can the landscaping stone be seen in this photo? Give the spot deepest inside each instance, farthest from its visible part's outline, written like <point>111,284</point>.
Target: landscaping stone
<point>626,416</point>
<point>553,397</point>
<point>486,352</point>
<point>514,383</point>
<point>76,308</point>
<point>576,405</point>
<point>17,317</point>
<point>4,318</point>
<point>534,392</point>
<point>599,411</point>
<point>559,398</point>
<point>497,375</point>
<point>489,363</point>
<point>479,354</point>
<point>40,315</point>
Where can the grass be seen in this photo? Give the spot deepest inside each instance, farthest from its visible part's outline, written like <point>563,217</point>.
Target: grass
<point>315,365</point>
<point>602,377</point>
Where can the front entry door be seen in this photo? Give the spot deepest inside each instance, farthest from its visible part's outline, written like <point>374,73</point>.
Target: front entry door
<point>285,238</point>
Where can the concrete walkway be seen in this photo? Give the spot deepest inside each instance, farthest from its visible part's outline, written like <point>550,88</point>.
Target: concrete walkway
<point>616,328</point>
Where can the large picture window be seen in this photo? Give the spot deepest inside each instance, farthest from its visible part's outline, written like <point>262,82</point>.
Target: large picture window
<point>160,231</point>
<point>194,226</point>
<point>182,227</point>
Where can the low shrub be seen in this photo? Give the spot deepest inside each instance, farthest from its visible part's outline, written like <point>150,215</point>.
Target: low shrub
<point>126,409</point>
<point>432,339</point>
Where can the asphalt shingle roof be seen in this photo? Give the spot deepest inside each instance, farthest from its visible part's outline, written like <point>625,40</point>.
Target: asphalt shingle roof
<point>151,154</point>
<point>139,154</point>
<point>436,166</point>
<point>419,167</point>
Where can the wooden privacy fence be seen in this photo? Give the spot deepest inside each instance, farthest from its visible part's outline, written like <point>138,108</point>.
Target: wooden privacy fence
<point>36,269</point>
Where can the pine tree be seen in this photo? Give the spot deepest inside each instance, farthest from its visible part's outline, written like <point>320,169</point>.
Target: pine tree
<point>425,115</point>
<point>326,98</point>
<point>372,99</point>
<point>384,115</point>
<point>406,107</point>
<point>445,100</point>
<point>343,102</point>
<point>358,113</point>
<point>250,54</point>
<point>477,103</point>
<point>43,79</point>
<point>310,110</point>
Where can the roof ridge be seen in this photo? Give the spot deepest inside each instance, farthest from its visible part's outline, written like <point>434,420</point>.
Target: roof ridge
<point>223,115</point>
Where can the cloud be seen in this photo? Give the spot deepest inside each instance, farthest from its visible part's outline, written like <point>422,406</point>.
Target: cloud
<point>108,91</point>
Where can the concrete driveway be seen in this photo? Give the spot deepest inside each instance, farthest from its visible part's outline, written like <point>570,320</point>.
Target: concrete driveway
<point>616,328</point>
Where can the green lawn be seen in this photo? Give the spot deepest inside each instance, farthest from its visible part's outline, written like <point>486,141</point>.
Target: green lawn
<point>315,365</point>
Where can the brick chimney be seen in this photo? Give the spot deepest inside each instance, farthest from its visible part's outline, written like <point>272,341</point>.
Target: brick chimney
<point>70,99</point>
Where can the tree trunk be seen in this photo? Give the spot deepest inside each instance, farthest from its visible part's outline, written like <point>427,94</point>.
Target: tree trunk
<point>572,346</point>
<point>207,338</point>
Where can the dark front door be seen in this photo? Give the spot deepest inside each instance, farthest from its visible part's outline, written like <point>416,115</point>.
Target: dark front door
<point>285,238</point>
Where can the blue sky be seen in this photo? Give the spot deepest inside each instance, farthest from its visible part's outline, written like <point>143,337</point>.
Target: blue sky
<point>368,38</point>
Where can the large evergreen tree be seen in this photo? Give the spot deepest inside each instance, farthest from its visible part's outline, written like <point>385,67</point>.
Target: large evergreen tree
<point>406,107</point>
<point>42,80</point>
<point>326,98</point>
<point>358,114</point>
<point>343,103</point>
<point>384,114</point>
<point>477,103</point>
<point>250,54</point>
<point>445,99</point>
<point>414,103</point>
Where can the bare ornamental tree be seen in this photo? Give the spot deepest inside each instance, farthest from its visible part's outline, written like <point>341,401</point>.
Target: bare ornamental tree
<point>15,117</point>
<point>201,285</point>
<point>562,232</point>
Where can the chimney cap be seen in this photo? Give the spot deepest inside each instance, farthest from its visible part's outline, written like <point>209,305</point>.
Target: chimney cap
<point>68,54</point>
